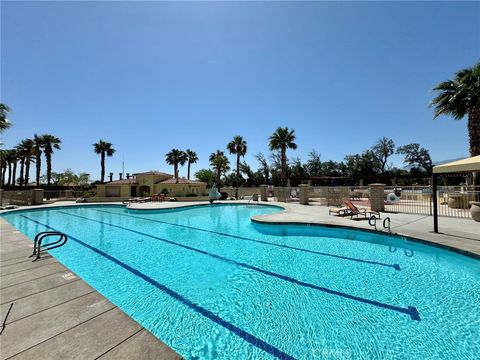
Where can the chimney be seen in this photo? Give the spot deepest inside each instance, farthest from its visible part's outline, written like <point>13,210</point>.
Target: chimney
<point>120,176</point>
<point>128,175</point>
<point>111,176</point>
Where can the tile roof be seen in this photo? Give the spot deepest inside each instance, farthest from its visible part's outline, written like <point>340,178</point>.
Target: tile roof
<point>153,173</point>
<point>124,181</point>
<point>180,181</point>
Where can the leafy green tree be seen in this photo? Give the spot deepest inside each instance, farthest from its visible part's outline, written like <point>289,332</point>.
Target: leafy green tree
<point>314,164</point>
<point>264,167</point>
<point>4,123</point>
<point>220,165</point>
<point>416,156</point>
<point>459,97</point>
<point>50,142</point>
<point>237,146</point>
<point>192,158</point>
<point>176,157</point>
<point>103,148</point>
<point>382,150</point>
<point>283,139</point>
<point>206,176</point>
<point>72,180</point>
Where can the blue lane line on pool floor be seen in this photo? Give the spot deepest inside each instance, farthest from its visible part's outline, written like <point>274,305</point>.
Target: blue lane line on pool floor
<point>410,310</point>
<point>395,266</point>
<point>272,350</point>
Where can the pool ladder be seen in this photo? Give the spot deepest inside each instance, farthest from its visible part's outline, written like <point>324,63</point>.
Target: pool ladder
<point>372,221</point>
<point>37,243</point>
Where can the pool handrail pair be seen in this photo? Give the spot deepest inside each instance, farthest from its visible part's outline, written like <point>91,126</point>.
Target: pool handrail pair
<point>372,221</point>
<point>37,242</point>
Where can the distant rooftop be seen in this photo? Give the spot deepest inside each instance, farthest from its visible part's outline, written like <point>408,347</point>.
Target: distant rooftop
<point>153,173</point>
<point>130,181</point>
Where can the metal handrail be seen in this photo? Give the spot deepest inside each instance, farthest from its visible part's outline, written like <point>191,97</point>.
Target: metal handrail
<point>373,219</point>
<point>387,219</point>
<point>37,242</point>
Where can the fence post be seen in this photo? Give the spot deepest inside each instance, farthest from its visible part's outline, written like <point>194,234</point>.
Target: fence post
<point>68,194</point>
<point>263,193</point>
<point>304,194</point>
<point>377,197</point>
<point>37,196</point>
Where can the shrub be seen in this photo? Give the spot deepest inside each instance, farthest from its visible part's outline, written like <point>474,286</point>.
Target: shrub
<point>191,195</point>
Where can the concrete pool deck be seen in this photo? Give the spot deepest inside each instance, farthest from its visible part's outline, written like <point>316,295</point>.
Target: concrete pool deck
<point>56,315</point>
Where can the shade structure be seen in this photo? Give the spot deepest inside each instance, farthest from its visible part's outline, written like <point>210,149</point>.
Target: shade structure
<point>460,166</point>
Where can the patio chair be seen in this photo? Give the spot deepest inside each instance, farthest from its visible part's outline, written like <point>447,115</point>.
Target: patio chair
<point>339,211</point>
<point>356,211</point>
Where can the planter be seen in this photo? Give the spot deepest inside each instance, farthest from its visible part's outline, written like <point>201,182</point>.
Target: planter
<point>475,210</point>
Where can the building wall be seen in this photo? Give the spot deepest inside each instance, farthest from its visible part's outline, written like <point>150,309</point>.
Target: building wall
<point>101,190</point>
<point>181,189</point>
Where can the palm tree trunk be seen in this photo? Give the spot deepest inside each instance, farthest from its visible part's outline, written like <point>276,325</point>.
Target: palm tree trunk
<point>22,170</point>
<point>188,170</point>
<point>4,170</point>
<point>474,137</point>
<point>27,170</point>
<point>9,173</point>
<point>102,165</point>
<point>474,130</point>
<point>14,173</point>
<point>284,162</point>
<point>38,164</point>
<point>48,157</point>
<point>219,175</point>
<point>175,171</point>
<point>238,175</point>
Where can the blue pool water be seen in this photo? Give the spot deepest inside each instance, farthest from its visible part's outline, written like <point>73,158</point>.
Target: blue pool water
<point>213,285</point>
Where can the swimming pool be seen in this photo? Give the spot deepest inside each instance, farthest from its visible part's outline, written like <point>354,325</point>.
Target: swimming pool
<point>213,285</point>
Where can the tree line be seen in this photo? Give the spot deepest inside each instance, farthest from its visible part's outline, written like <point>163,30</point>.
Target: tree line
<point>457,97</point>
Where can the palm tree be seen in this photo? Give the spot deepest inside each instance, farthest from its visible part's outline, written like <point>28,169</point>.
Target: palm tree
<point>220,164</point>
<point>192,158</point>
<point>50,142</point>
<point>37,151</point>
<point>283,139</point>
<point>103,148</point>
<point>3,166</point>
<point>4,123</point>
<point>460,97</point>
<point>10,158</point>
<point>175,157</point>
<point>26,148</point>
<point>237,146</point>
<point>15,158</point>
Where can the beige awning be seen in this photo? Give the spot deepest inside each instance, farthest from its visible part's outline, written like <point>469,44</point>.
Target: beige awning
<point>459,166</point>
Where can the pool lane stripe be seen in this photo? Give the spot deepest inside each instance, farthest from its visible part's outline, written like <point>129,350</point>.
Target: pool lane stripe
<point>395,266</point>
<point>272,350</point>
<point>410,310</point>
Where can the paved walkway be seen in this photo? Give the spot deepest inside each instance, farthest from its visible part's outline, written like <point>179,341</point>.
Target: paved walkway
<point>53,314</point>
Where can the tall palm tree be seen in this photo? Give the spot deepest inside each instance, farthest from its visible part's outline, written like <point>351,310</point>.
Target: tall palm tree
<point>15,159</point>
<point>3,166</point>
<point>192,158</point>
<point>38,146</point>
<point>50,142</point>
<point>237,146</point>
<point>4,123</point>
<point>10,159</point>
<point>103,148</point>
<point>21,157</point>
<point>176,157</point>
<point>220,164</point>
<point>26,148</point>
<point>459,97</point>
<point>283,139</point>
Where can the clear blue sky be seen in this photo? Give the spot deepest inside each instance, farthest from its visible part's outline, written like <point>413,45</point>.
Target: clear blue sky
<point>149,76</point>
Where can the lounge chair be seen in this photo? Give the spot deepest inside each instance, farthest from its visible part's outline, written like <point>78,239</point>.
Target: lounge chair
<point>356,211</point>
<point>339,211</point>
